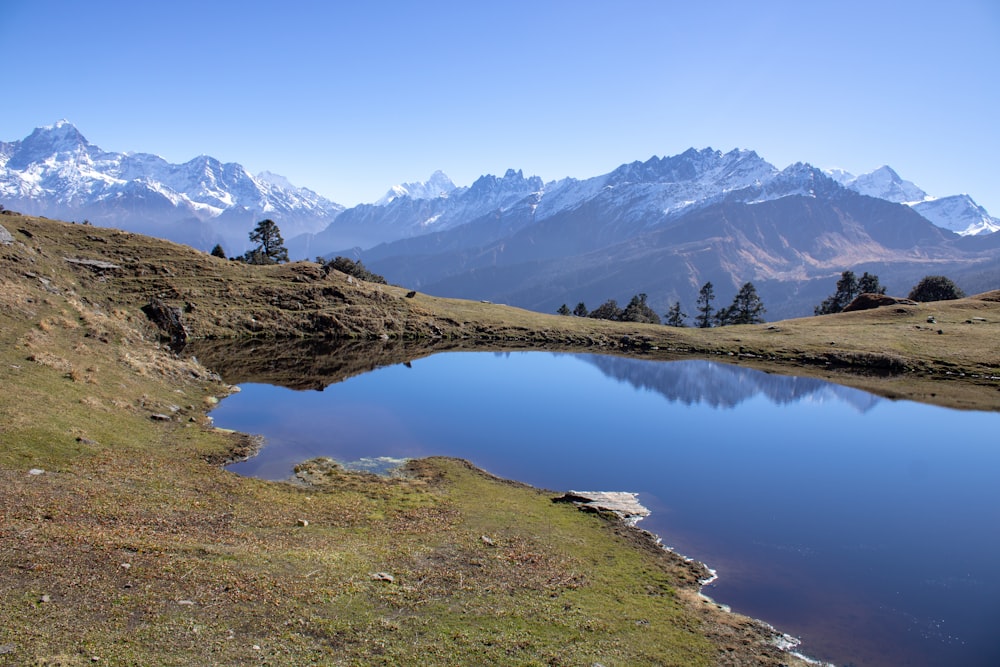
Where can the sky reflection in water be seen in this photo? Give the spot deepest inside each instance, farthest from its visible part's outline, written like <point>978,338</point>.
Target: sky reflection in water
<point>869,527</point>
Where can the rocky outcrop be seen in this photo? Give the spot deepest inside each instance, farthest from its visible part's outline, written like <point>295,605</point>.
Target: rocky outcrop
<point>869,301</point>
<point>168,320</point>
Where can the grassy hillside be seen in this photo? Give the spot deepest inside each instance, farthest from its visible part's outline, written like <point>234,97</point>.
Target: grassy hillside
<point>123,540</point>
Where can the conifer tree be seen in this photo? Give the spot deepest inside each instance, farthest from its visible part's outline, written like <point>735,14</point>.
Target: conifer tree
<point>705,311</point>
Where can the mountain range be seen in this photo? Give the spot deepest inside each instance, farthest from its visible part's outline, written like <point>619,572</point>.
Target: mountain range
<point>57,173</point>
<point>662,227</point>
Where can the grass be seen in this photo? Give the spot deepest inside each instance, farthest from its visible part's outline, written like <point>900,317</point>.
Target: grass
<point>135,547</point>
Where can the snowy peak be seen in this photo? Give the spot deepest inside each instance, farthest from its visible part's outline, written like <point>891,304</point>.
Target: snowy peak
<point>61,140</point>
<point>737,168</point>
<point>883,183</point>
<point>55,171</point>
<point>958,213</point>
<point>438,185</point>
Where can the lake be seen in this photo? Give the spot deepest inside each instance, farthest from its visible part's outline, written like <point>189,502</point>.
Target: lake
<point>869,528</point>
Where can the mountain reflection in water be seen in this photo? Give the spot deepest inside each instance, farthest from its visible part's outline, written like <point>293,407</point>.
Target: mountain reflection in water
<point>865,526</point>
<point>724,385</point>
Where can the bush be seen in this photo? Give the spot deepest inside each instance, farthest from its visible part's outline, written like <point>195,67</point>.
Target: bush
<point>935,288</point>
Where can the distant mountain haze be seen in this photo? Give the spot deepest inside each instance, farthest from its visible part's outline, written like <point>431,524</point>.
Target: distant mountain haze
<point>662,227</point>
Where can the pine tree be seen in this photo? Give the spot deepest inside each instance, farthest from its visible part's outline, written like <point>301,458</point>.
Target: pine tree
<point>638,310</point>
<point>674,317</point>
<point>847,289</point>
<point>704,318</point>
<point>270,246</point>
<point>580,310</point>
<point>608,310</point>
<point>869,284</point>
<point>217,251</point>
<point>563,310</point>
<point>747,308</point>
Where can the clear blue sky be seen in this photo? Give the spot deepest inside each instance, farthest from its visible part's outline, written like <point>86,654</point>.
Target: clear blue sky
<point>348,98</point>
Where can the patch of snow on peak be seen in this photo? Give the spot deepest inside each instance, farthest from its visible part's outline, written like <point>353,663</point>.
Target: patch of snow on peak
<point>885,183</point>
<point>438,185</point>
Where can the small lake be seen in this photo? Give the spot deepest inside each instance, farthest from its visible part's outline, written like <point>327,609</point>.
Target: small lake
<point>867,527</point>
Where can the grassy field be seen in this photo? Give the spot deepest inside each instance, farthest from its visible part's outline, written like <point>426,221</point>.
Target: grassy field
<point>124,541</point>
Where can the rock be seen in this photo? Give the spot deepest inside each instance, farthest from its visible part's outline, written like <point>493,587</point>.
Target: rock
<point>412,293</point>
<point>157,417</point>
<point>869,301</point>
<point>487,541</point>
<point>95,264</point>
<point>5,236</point>
<point>167,319</point>
<point>45,598</point>
<point>302,523</point>
<point>36,471</point>
<point>186,603</point>
<point>383,576</point>
<point>623,504</point>
<point>7,648</point>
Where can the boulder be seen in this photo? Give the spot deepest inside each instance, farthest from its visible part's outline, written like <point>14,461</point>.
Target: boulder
<point>869,301</point>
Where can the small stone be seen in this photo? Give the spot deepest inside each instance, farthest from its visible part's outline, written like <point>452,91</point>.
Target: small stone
<point>487,541</point>
<point>7,648</point>
<point>45,598</point>
<point>36,471</point>
<point>383,576</point>
<point>157,417</point>
<point>256,647</point>
<point>302,523</point>
<point>126,566</point>
<point>186,603</point>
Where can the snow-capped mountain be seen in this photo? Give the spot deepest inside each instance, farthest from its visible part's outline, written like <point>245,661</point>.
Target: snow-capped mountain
<point>883,183</point>
<point>438,185</point>
<point>56,172</point>
<point>960,214</point>
<point>956,213</point>
<point>405,216</point>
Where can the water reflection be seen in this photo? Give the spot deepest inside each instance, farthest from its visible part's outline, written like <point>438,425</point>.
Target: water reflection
<point>866,526</point>
<point>724,385</point>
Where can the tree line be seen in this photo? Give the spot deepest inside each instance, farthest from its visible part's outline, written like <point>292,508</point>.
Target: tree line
<point>747,307</point>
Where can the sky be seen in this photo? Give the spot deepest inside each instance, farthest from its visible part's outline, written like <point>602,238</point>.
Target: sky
<point>349,98</point>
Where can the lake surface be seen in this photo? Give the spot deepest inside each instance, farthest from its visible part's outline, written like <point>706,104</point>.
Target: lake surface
<point>867,527</point>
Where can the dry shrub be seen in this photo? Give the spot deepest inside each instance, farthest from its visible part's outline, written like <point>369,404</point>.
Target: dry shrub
<point>52,361</point>
<point>92,402</point>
